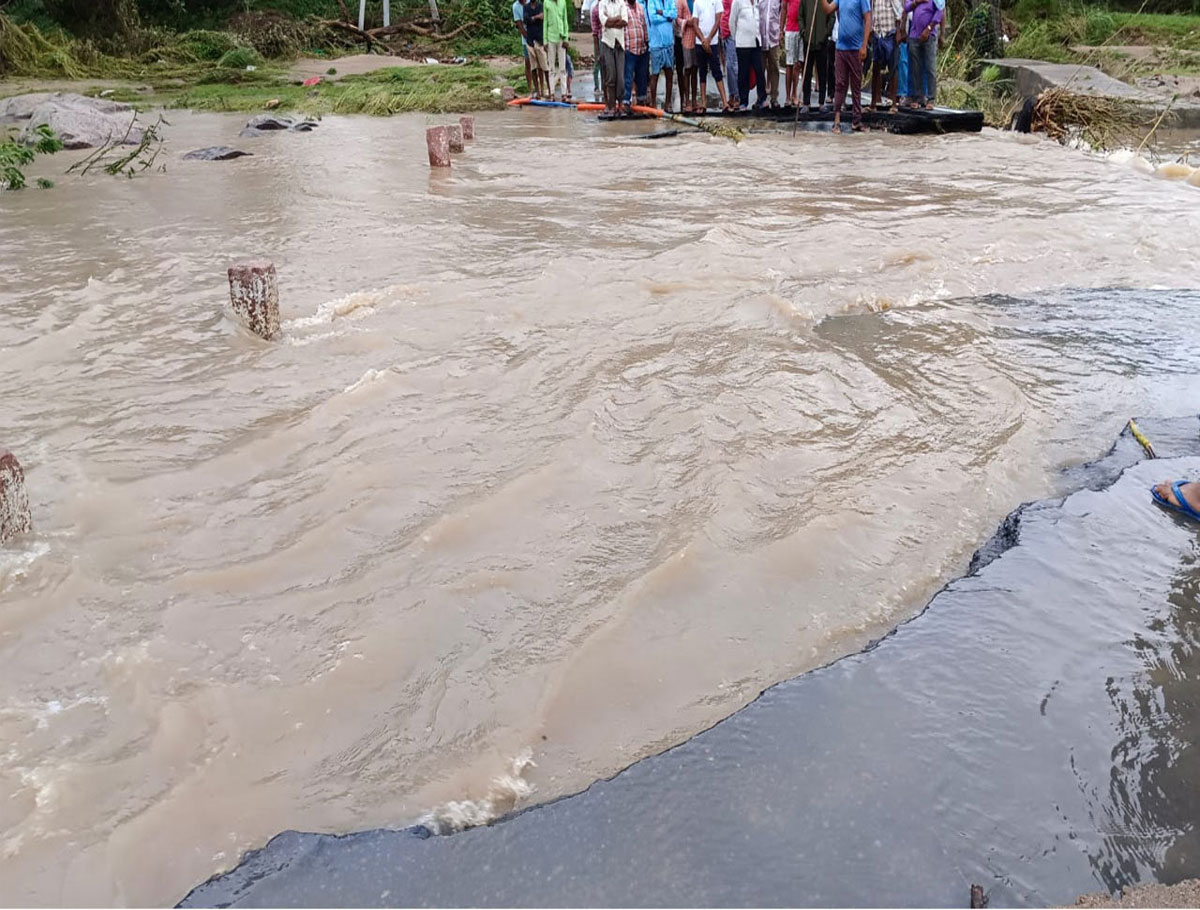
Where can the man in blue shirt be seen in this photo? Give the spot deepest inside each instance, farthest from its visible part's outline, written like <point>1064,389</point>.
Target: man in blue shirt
<point>854,31</point>
<point>518,9</point>
<point>661,16</point>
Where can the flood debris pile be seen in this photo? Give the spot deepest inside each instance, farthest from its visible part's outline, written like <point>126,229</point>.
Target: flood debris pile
<point>1101,121</point>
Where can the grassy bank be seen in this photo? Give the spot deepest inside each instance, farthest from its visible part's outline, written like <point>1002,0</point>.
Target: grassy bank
<point>431,89</point>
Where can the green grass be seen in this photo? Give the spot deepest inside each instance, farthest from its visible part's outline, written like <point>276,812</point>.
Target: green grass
<point>1179,31</point>
<point>430,89</point>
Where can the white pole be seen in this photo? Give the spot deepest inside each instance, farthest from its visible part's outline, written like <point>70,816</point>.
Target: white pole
<point>362,14</point>
<point>387,13</point>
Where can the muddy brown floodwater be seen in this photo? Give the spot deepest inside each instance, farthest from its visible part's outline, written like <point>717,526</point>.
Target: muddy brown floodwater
<point>553,460</point>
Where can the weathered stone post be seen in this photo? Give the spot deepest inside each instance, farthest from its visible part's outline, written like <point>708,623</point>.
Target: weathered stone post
<point>455,132</point>
<point>254,297</point>
<point>437,138</point>
<point>468,127</point>
<point>15,518</point>
<point>507,94</point>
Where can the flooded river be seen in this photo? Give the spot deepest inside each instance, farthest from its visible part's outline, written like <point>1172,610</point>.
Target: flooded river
<point>566,455</point>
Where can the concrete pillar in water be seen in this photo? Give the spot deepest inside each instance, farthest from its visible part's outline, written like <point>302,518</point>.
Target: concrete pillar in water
<point>254,297</point>
<point>468,127</point>
<point>15,518</point>
<point>437,138</point>
<point>455,132</point>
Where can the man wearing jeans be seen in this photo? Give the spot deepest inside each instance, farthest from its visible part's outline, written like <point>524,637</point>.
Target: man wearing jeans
<point>729,45</point>
<point>886,52</point>
<point>637,51</point>
<point>922,19</point>
<point>613,18</point>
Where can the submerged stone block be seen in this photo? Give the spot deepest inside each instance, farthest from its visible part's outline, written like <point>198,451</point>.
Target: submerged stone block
<point>15,517</point>
<point>254,297</point>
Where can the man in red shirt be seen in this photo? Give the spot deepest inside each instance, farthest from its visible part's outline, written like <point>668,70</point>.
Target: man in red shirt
<point>793,49</point>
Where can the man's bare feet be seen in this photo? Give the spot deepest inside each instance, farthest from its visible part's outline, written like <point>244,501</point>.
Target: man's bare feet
<point>1191,492</point>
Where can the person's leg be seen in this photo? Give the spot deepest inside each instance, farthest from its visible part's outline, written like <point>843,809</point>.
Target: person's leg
<point>743,77</point>
<point>618,74</point>
<point>528,74</point>
<point>916,72</point>
<point>856,79</point>
<point>840,77</point>
<point>772,65</point>
<point>810,59</point>
<point>668,102</point>
<point>902,90</point>
<point>830,73</point>
<point>597,67</point>
<point>655,69</point>
<point>643,76</point>
<point>570,70</point>
<point>630,65</point>
<point>605,58</point>
<point>760,77</point>
<point>731,67</point>
<point>931,65</point>
<point>1190,491</point>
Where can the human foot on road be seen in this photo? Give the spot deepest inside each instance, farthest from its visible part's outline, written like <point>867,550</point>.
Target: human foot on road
<point>1181,497</point>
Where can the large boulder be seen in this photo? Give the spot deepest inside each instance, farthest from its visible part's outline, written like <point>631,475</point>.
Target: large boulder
<point>80,122</point>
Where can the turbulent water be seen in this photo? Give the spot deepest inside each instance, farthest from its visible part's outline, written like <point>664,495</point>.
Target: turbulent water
<point>565,455</point>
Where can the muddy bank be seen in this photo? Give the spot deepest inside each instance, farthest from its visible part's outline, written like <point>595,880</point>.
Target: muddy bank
<point>1033,730</point>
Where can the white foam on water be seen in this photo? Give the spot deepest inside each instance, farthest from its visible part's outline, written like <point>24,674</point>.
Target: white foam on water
<point>505,791</point>
<point>15,562</point>
<point>367,378</point>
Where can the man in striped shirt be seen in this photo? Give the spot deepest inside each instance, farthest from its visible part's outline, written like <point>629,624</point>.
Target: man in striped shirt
<point>637,51</point>
<point>885,46</point>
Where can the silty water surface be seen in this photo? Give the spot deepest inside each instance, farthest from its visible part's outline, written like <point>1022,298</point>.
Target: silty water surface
<point>569,452</point>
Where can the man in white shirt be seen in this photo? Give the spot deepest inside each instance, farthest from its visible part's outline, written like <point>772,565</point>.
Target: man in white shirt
<point>613,18</point>
<point>708,47</point>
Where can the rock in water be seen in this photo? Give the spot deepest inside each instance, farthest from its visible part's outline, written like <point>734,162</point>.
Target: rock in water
<point>215,153</point>
<point>14,501</point>
<point>265,123</point>
<point>78,121</point>
<point>269,122</point>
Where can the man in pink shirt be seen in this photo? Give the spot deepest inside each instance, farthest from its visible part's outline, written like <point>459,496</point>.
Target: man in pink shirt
<point>685,27</point>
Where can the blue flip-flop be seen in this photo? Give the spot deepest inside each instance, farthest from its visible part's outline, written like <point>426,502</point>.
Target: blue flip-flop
<point>1184,508</point>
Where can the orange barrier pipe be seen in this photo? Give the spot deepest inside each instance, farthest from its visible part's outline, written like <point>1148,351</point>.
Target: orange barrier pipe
<point>588,106</point>
<point>516,102</point>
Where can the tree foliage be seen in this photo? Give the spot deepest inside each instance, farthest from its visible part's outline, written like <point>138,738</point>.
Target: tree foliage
<point>15,156</point>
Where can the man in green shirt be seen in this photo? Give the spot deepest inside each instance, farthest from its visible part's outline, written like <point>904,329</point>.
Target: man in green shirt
<point>557,31</point>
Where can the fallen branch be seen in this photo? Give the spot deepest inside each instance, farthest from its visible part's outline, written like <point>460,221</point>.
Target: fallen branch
<point>352,29</point>
<point>142,158</point>
<point>374,36</point>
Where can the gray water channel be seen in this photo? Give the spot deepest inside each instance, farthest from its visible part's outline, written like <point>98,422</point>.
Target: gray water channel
<point>1033,730</point>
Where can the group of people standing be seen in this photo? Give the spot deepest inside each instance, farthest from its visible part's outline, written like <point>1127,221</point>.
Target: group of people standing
<point>739,43</point>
